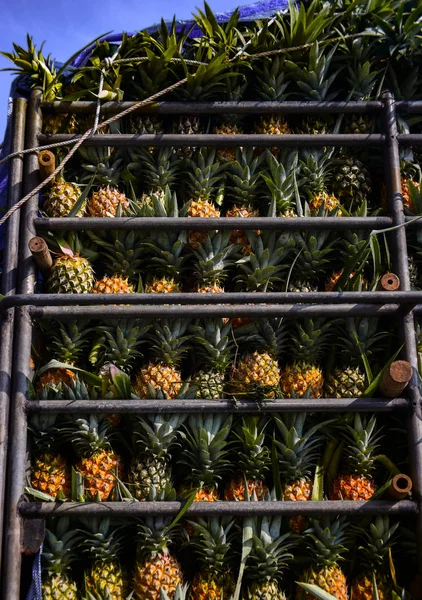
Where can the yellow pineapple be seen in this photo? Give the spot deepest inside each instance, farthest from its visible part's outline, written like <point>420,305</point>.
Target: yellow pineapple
<point>325,543</point>
<point>105,202</point>
<point>50,474</point>
<point>61,198</point>
<point>361,441</point>
<point>58,553</point>
<point>112,285</point>
<point>162,285</point>
<point>317,170</point>
<point>70,274</point>
<point>162,374</point>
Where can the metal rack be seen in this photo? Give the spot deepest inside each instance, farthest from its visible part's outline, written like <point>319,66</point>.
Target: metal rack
<point>403,305</point>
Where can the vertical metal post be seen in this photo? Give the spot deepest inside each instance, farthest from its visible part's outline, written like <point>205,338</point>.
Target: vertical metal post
<point>8,288</point>
<point>18,422</point>
<point>408,326</point>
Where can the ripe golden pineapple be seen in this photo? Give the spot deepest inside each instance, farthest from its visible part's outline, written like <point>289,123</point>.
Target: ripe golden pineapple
<point>60,199</point>
<point>258,369</point>
<point>50,474</point>
<point>301,376</point>
<point>105,202</point>
<point>55,377</point>
<point>70,274</point>
<point>162,285</point>
<point>325,544</point>
<point>253,463</point>
<point>112,285</point>
<point>361,441</point>
<point>58,554</point>
<point>297,456</point>
<point>238,236</point>
<point>228,127</point>
<point>168,341</point>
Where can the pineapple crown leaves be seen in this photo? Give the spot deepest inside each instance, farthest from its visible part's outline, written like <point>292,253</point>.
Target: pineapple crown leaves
<point>168,340</point>
<point>157,433</point>
<point>89,435</point>
<point>207,448</point>
<point>105,164</point>
<point>59,547</point>
<point>212,543</point>
<point>159,169</point>
<point>217,37</point>
<point>261,269</point>
<point>205,172</point>
<point>313,80</point>
<point>362,80</point>
<point>244,173</point>
<point>326,540</point>
<point>213,343</point>
<point>314,251</point>
<point>120,251</point>
<point>208,80</point>
<point>102,540</point>
<point>270,551</point>
<point>377,542</point>
<point>115,383</point>
<point>156,532</point>
<point>281,179</point>
<point>272,82</point>
<point>267,335</point>
<point>310,339</point>
<point>359,336</point>
<point>67,340</point>
<point>316,169</point>
<point>254,456</point>
<point>181,593</point>
<point>362,440</point>
<point>305,23</point>
<point>214,256</point>
<point>118,343</point>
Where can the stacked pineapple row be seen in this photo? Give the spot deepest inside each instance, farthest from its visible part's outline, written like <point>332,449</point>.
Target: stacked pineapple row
<point>156,564</point>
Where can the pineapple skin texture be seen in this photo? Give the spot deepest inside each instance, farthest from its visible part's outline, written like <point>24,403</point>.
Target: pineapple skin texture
<point>112,285</point>
<point>349,382</point>
<point>236,489</point>
<point>59,587</point>
<point>352,487</point>
<point>160,572</point>
<point>144,473</point>
<point>258,369</point>
<point>328,201</point>
<point>105,575</point>
<point>298,491</point>
<point>363,588</point>
<point>228,128</point>
<point>265,591</point>
<point>50,474</point>
<point>161,377</point>
<point>210,384</point>
<point>238,236</point>
<point>98,472</point>
<point>105,202</point>
<point>162,286</point>
<point>70,275</point>
<point>298,377</point>
<point>53,124</point>
<point>331,579</point>
<point>54,377</point>
<point>212,587</point>
<point>203,209</point>
<point>61,198</point>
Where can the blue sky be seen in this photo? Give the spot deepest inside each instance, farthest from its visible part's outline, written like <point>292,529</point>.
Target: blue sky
<point>67,25</point>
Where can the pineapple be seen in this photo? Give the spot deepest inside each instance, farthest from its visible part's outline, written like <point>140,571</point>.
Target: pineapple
<point>269,556</point>
<point>281,181</point>
<point>157,571</point>
<point>362,82</point>
<point>351,182</point>
<point>101,545</point>
<point>213,350</point>
<point>211,544</point>
<point>316,168</point>
<point>211,259</point>
<point>162,374</point>
<point>158,170</point>
<point>70,274</point>
<point>361,441</point>
<point>154,436</point>
<point>374,557</point>
<point>313,251</point>
<point>297,456</point>
<point>325,542</point>
<point>57,556</point>
<point>313,83</point>
<point>205,453</point>
<point>355,338</point>
<point>61,198</point>
<point>257,374</point>
<point>410,186</point>
<point>112,285</point>
<point>310,340</point>
<point>98,464</point>
<point>244,174</point>
<point>118,343</point>
<point>271,86</point>
<point>121,252</point>
<point>205,178</point>
<point>230,124</point>
<point>253,461</point>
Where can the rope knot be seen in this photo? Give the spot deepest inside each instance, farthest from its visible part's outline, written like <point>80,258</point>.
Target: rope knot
<point>108,62</point>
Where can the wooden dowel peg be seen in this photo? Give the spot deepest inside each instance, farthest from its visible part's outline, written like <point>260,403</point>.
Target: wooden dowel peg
<point>400,486</point>
<point>389,283</point>
<point>396,378</point>
<point>46,164</point>
<point>41,254</point>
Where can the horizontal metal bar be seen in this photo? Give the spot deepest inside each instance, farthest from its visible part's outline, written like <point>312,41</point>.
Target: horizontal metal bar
<point>229,298</point>
<point>412,107</point>
<point>223,223</point>
<point>219,140</point>
<point>216,108</point>
<point>209,311</point>
<point>211,406</point>
<point>407,139</point>
<point>209,509</point>
<point>413,221</point>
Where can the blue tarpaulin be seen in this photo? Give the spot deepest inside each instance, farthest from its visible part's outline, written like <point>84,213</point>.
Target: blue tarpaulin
<point>20,88</point>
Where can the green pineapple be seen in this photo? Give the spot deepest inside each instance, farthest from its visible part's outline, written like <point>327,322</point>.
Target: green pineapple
<point>213,352</point>
<point>272,86</point>
<point>310,340</point>
<point>269,556</point>
<point>205,453</point>
<point>325,542</point>
<point>154,437</point>
<point>281,180</point>
<point>351,182</point>
<point>58,554</point>
<point>102,542</point>
<point>211,544</point>
<point>71,272</point>
<point>253,461</point>
<point>211,261</point>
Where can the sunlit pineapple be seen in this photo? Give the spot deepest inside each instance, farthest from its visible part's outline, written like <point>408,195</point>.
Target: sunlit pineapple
<point>61,198</point>
<point>112,285</point>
